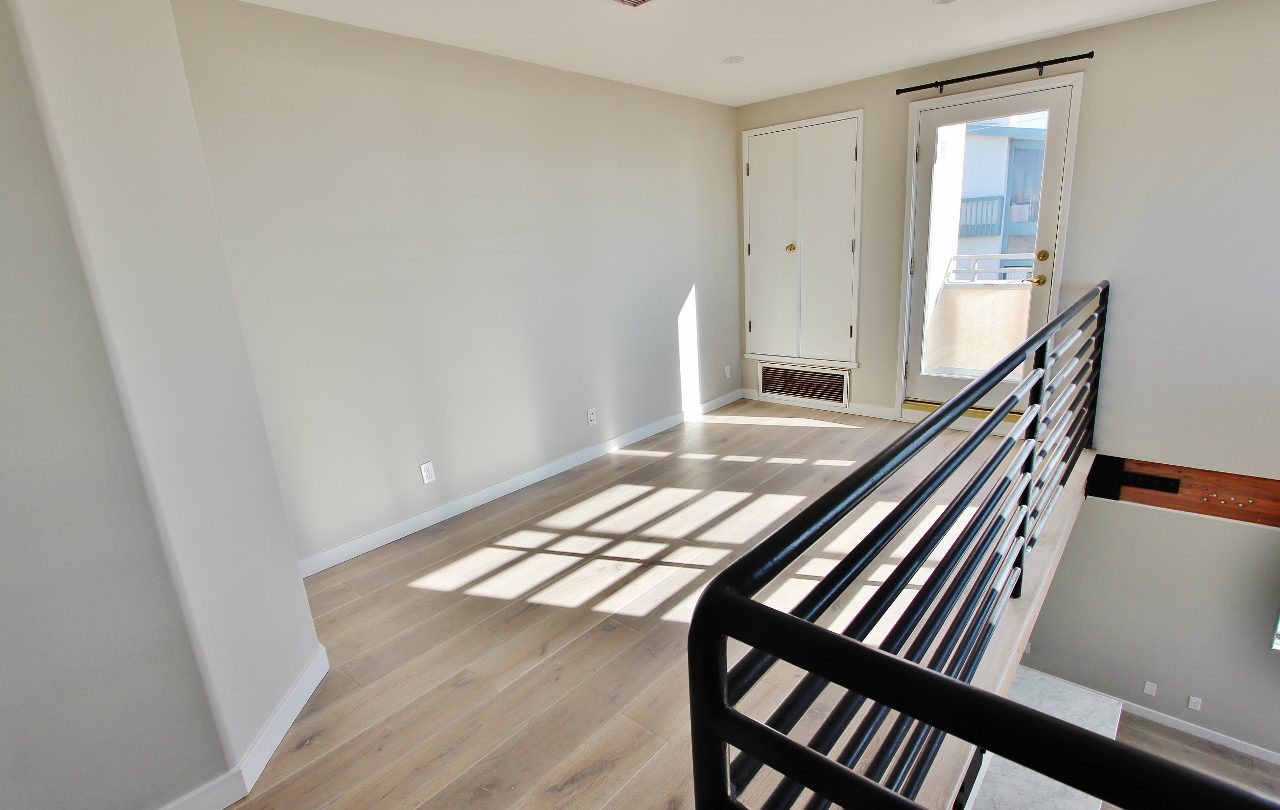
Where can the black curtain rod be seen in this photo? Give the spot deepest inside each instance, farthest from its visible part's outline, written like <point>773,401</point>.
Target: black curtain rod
<point>1037,66</point>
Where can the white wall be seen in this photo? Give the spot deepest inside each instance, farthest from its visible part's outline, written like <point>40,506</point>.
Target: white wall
<point>1184,601</point>
<point>101,702</point>
<point>443,255</point>
<point>113,99</point>
<point>1174,198</point>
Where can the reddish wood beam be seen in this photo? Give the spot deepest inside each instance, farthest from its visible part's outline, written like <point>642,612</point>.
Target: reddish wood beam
<point>1188,489</point>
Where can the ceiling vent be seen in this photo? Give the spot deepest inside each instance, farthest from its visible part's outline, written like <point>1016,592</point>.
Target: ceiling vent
<point>633,3</point>
<point>801,382</point>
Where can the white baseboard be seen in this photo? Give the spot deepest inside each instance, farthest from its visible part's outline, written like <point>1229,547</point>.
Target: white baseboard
<point>719,402</point>
<point>236,783</point>
<point>375,539</point>
<point>855,408</point>
<point>215,794</point>
<point>290,706</point>
<point>1255,751</point>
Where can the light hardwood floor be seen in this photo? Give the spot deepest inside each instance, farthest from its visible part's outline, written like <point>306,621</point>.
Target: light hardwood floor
<point>1218,760</point>
<point>530,653</point>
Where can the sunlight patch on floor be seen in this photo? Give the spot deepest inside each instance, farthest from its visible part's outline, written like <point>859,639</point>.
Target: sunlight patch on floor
<point>747,524</point>
<point>467,569</point>
<point>844,541</point>
<point>656,585</point>
<point>841,617</point>
<point>788,593</point>
<point>626,451</point>
<point>923,522</point>
<point>580,544</point>
<point>689,518</point>
<point>524,576</point>
<point>645,510</point>
<point>527,538</point>
<point>645,550</point>
<point>778,421</point>
<point>891,616</point>
<point>817,567</point>
<point>695,555</point>
<point>583,584</point>
<point>683,611</point>
<point>635,550</point>
<point>583,512</point>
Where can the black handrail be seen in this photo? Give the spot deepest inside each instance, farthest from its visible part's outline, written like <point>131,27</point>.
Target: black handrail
<point>949,621</point>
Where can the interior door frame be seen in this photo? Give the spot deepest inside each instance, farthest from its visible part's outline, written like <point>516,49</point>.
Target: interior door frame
<point>746,227</point>
<point>1075,81</point>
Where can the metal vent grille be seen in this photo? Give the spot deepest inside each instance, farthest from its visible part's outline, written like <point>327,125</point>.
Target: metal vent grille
<point>802,383</point>
<point>633,3</point>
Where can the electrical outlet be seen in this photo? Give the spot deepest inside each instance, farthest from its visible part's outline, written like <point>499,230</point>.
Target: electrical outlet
<point>728,372</point>
<point>1193,703</point>
<point>428,472</point>
<point>591,416</point>
<point>1149,688</point>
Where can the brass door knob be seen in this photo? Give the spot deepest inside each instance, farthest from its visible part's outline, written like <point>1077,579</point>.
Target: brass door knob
<point>791,248</point>
<point>1042,255</point>
<point>1039,281</point>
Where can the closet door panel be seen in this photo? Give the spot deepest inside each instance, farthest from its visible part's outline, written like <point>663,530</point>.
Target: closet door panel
<point>828,224</point>
<point>773,272</point>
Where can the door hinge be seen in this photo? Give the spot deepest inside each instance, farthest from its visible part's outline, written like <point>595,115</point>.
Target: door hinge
<point>855,153</point>
<point>748,170</point>
<point>905,363</point>
<point>850,331</point>
<point>853,246</point>
<point>911,266</point>
<point>917,153</point>
<point>748,248</point>
<point>748,326</point>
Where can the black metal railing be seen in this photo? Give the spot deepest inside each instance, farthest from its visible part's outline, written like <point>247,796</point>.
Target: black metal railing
<point>919,674</point>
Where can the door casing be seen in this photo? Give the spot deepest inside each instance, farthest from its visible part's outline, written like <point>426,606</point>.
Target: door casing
<point>1075,81</point>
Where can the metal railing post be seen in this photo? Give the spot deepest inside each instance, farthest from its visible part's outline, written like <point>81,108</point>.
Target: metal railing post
<point>1100,329</point>
<point>708,699</point>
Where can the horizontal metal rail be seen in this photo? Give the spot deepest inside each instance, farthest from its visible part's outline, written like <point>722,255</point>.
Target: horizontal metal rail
<point>1098,765</point>
<point>918,680</point>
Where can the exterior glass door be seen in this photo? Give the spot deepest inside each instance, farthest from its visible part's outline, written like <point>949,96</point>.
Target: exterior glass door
<point>989,188</point>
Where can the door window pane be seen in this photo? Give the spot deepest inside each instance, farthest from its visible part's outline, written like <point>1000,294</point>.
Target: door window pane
<point>985,213</point>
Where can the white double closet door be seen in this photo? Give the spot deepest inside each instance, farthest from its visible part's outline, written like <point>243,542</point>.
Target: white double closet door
<point>801,217</point>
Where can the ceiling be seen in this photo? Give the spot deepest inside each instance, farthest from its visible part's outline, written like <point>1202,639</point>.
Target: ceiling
<point>678,45</point>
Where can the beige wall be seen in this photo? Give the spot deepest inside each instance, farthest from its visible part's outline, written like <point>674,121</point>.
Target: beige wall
<point>1184,601</point>
<point>448,256</point>
<point>101,702</point>
<point>1174,197</point>
<point>112,95</point>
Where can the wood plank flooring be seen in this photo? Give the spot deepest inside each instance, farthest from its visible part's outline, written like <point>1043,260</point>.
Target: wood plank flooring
<point>530,653</point>
<point>1185,749</point>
